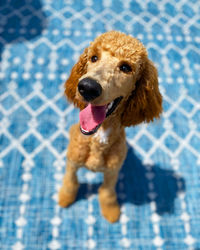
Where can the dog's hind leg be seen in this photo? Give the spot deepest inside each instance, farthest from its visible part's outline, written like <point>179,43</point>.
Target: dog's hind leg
<point>69,189</point>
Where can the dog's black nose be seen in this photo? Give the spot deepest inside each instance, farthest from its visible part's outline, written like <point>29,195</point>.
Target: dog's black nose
<point>89,89</point>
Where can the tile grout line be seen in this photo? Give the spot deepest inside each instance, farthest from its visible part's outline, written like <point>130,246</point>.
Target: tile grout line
<point>24,196</point>
<point>189,240</point>
<point>56,221</point>
<point>125,242</point>
<point>90,220</point>
<point>158,241</point>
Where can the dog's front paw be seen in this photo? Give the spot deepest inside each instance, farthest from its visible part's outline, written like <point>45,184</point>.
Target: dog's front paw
<point>111,212</point>
<point>65,199</point>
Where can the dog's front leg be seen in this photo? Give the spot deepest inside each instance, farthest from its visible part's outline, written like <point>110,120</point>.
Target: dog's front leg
<point>108,198</point>
<point>68,191</point>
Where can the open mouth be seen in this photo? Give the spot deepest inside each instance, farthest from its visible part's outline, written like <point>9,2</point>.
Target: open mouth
<point>93,116</point>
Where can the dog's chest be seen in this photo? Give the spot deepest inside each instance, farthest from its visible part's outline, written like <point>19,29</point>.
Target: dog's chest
<point>102,135</point>
<point>99,145</point>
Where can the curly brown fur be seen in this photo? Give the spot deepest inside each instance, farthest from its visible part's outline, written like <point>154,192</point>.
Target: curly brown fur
<point>78,70</point>
<point>145,102</point>
<point>106,150</point>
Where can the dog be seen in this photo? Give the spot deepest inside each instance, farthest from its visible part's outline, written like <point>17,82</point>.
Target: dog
<point>114,85</point>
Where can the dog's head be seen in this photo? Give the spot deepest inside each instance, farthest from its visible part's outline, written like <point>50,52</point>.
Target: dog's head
<point>114,75</point>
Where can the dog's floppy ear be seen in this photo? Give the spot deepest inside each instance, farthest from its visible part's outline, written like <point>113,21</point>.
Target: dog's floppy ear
<point>145,102</point>
<point>77,71</point>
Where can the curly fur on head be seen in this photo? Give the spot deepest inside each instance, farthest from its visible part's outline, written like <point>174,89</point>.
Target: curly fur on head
<point>143,102</point>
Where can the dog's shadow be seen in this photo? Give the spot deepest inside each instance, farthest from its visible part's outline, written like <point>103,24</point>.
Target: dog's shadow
<point>140,184</point>
<point>20,21</point>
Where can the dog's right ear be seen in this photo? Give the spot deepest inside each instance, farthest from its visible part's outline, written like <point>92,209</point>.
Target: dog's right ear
<point>71,84</point>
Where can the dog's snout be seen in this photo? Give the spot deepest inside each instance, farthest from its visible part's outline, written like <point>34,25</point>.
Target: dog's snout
<point>89,89</point>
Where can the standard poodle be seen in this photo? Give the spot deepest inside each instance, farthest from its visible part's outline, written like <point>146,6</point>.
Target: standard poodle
<point>115,85</point>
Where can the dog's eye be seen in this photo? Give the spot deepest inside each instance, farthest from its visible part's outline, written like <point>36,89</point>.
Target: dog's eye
<point>125,68</point>
<point>94,58</point>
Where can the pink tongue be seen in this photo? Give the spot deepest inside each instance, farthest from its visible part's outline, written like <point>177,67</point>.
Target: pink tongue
<point>92,116</point>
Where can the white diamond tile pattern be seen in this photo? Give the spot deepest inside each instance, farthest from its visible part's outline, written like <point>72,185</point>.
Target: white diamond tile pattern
<point>158,186</point>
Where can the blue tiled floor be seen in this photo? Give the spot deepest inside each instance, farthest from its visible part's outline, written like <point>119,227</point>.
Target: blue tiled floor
<point>159,184</point>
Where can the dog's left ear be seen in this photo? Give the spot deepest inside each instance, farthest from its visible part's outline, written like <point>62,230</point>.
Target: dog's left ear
<point>77,71</point>
<point>145,102</point>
